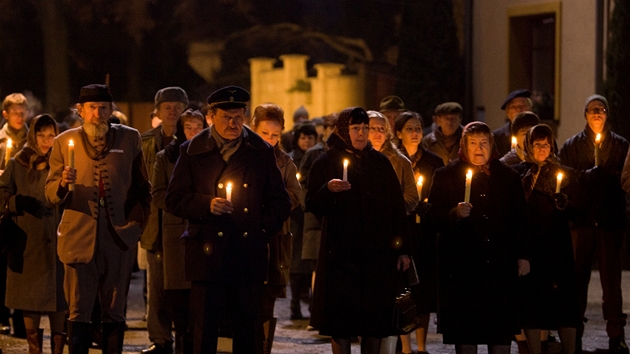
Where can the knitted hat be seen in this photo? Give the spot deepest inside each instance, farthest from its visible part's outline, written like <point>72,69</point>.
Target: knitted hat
<point>301,112</point>
<point>592,98</point>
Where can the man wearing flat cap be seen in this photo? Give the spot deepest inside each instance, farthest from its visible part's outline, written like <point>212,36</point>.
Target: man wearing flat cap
<point>226,183</point>
<point>170,102</point>
<point>444,140</point>
<point>391,107</point>
<point>106,204</point>
<point>516,102</point>
<point>599,233</point>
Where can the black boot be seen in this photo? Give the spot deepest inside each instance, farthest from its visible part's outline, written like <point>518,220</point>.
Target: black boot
<point>79,334</point>
<point>113,337</point>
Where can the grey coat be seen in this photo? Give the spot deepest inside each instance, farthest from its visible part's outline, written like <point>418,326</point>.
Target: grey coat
<point>39,284</point>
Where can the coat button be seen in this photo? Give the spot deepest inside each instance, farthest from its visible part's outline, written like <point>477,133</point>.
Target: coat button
<point>244,234</point>
<point>246,210</point>
<point>244,185</point>
<point>220,185</point>
<point>220,234</point>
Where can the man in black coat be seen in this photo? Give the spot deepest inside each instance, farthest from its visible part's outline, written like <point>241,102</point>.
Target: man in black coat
<point>516,102</point>
<point>226,183</point>
<point>599,234</point>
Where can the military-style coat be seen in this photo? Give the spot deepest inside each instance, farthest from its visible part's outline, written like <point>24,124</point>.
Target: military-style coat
<point>126,188</point>
<point>229,248</point>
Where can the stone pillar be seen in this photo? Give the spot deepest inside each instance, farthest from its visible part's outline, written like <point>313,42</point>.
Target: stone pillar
<point>258,66</point>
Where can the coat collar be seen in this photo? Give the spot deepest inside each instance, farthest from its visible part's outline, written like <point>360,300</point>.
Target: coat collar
<point>204,142</point>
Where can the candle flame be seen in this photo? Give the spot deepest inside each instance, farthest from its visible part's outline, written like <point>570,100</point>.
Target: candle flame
<point>70,143</point>
<point>513,140</point>
<point>297,175</point>
<point>559,176</point>
<point>420,180</point>
<point>9,143</point>
<point>229,186</point>
<point>345,162</point>
<point>598,138</point>
<point>469,174</point>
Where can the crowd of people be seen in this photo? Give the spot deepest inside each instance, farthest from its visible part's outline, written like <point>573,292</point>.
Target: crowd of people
<point>495,231</point>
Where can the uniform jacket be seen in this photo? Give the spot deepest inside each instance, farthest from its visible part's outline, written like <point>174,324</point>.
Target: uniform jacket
<point>151,145</point>
<point>127,192</point>
<point>364,232</point>
<point>477,255</point>
<point>37,284</point>
<point>172,228</point>
<point>601,190</point>
<point>229,248</point>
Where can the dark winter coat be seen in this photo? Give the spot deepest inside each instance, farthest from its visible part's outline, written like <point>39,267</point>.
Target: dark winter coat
<point>312,223</point>
<point>549,291</point>
<point>230,248</point>
<point>601,190</point>
<point>423,235</point>
<point>503,138</point>
<point>477,255</point>
<point>364,233</point>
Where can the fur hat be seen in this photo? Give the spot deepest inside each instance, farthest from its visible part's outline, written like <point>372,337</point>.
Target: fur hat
<point>171,94</point>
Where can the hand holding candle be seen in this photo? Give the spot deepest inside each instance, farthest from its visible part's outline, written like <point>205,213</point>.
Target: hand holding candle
<point>345,170</point>
<point>7,156</point>
<point>598,139</point>
<point>469,175</point>
<point>559,184</point>
<point>71,161</point>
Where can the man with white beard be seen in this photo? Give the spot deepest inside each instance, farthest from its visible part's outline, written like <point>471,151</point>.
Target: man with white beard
<point>106,199</point>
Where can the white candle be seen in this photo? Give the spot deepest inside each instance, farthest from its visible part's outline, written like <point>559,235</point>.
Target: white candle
<point>228,192</point>
<point>514,142</point>
<point>71,160</point>
<point>559,184</point>
<point>597,141</point>
<point>468,185</point>
<point>7,156</point>
<point>297,175</point>
<point>345,169</point>
<point>420,183</point>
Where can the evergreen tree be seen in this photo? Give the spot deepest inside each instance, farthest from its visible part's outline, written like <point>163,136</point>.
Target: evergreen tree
<point>616,87</point>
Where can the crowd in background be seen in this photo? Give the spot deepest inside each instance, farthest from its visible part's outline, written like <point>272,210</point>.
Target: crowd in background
<point>224,211</point>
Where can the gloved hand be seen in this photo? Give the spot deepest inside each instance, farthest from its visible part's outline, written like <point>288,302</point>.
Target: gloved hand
<point>423,208</point>
<point>561,200</point>
<point>24,203</point>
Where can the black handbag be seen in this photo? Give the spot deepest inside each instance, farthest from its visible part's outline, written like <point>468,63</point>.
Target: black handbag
<point>405,315</point>
<point>12,240</point>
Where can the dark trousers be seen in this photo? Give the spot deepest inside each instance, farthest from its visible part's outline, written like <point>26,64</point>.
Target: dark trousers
<point>178,304</point>
<point>241,302</point>
<point>604,245</point>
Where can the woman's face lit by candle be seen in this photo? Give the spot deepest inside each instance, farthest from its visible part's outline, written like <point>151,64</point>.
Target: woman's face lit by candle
<point>478,146</point>
<point>270,131</point>
<point>541,149</point>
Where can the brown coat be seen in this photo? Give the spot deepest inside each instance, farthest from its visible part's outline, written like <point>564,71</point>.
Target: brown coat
<point>127,192</point>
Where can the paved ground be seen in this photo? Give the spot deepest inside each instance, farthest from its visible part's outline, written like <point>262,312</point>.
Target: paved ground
<point>292,336</point>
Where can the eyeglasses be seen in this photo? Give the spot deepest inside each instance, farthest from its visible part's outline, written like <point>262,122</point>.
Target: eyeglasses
<point>377,130</point>
<point>542,146</point>
<point>410,130</point>
<point>596,111</point>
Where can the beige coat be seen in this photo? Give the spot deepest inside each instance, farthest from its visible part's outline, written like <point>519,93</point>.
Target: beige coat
<point>127,192</point>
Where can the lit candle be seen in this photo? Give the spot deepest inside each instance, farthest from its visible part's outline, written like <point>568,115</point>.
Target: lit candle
<point>7,156</point>
<point>345,169</point>
<point>420,183</point>
<point>598,138</point>
<point>559,184</point>
<point>468,185</point>
<point>71,160</point>
<point>297,175</point>
<point>228,192</point>
<point>514,143</point>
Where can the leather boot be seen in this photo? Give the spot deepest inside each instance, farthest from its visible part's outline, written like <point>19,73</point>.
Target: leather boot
<point>57,342</point>
<point>113,337</point>
<point>79,334</point>
<point>34,338</point>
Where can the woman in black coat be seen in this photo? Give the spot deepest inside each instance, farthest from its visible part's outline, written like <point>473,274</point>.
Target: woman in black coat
<point>549,291</point>
<point>408,128</point>
<point>364,238</point>
<point>480,245</point>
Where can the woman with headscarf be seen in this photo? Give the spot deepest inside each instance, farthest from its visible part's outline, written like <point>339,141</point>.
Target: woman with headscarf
<point>176,288</point>
<point>408,130</point>
<point>364,237</point>
<point>480,247</point>
<point>35,274</point>
<point>549,290</point>
<point>268,122</point>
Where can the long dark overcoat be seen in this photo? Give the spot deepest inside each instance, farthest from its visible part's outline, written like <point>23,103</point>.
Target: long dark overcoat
<point>364,232</point>
<point>228,248</point>
<point>477,255</point>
